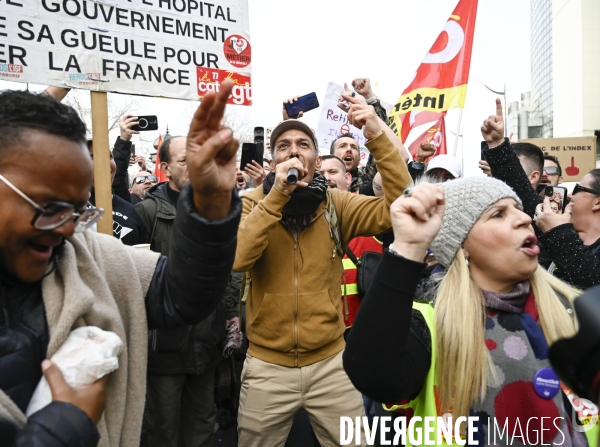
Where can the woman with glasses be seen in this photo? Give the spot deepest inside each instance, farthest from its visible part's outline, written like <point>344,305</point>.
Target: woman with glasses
<point>571,239</point>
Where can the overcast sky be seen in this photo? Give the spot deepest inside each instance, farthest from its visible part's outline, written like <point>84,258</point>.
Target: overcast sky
<point>299,46</point>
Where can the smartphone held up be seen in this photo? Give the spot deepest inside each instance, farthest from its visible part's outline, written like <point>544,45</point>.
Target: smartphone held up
<point>146,122</point>
<point>303,104</point>
<point>557,195</point>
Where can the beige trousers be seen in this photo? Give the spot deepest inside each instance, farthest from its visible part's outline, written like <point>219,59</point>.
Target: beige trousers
<point>272,394</point>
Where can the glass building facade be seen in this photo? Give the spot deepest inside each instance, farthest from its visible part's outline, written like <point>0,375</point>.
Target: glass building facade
<point>541,67</point>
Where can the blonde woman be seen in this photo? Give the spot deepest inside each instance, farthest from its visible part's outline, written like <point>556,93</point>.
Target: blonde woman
<point>481,347</point>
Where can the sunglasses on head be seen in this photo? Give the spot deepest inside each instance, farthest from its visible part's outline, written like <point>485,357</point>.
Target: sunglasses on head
<point>142,179</point>
<point>552,170</point>
<point>583,188</point>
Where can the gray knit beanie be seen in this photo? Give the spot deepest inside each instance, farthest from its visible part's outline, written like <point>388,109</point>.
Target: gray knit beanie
<point>466,200</point>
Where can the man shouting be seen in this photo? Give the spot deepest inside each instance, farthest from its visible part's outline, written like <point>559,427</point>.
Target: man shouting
<point>291,240</point>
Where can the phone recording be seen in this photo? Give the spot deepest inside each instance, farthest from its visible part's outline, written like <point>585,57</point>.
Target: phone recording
<point>304,104</point>
<point>146,122</point>
<point>557,195</point>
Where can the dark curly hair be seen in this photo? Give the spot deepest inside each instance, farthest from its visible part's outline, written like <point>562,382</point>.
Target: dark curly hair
<point>21,111</point>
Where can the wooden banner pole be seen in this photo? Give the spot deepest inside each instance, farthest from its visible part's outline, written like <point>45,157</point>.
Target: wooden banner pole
<point>102,183</point>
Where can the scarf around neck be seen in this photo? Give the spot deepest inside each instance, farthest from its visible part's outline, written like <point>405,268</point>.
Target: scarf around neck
<point>513,302</point>
<point>300,210</point>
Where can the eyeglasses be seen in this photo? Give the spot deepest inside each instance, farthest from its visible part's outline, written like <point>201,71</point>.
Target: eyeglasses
<point>54,214</point>
<point>142,179</point>
<point>552,170</point>
<point>583,188</point>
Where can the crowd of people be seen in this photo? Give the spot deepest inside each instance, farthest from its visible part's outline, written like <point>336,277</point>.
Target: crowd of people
<point>398,288</point>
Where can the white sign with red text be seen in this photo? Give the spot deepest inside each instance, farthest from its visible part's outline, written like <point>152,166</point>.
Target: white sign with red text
<point>146,47</point>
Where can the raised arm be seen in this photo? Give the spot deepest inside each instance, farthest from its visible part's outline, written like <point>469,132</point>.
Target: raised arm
<point>366,215</point>
<point>503,162</point>
<point>187,288</point>
<point>386,312</point>
<point>122,155</point>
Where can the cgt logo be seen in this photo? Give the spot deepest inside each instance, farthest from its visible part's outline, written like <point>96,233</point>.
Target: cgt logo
<point>584,414</point>
<point>209,80</point>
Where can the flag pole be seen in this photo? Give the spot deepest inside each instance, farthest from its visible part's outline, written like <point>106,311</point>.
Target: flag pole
<point>457,132</point>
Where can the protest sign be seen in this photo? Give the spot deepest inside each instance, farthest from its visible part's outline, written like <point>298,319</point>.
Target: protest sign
<point>577,155</point>
<point>168,48</point>
<point>334,121</point>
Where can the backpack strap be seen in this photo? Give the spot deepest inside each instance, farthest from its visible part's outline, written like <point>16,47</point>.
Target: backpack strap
<point>334,227</point>
<point>352,256</point>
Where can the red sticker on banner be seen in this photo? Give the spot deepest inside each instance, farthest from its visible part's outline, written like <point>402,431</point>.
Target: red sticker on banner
<point>237,51</point>
<point>209,80</point>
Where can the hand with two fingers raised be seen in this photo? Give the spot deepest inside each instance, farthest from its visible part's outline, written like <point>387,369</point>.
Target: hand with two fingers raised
<point>210,154</point>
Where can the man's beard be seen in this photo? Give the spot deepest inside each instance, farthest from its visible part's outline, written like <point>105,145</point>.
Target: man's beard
<point>179,182</point>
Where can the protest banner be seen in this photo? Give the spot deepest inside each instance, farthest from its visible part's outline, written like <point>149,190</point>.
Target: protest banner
<point>145,47</point>
<point>440,82</point>
<point>577,155</point>
<point>436,135</point>
<point>334,121</point>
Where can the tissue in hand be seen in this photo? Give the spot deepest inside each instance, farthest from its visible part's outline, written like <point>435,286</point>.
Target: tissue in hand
<point>87,354</point>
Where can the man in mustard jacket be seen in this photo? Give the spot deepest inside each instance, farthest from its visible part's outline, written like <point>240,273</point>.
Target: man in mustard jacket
<point>295,323</point>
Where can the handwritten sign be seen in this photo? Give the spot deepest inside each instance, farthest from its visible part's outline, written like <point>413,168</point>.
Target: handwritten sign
<point>334,122</point>
<point>146,47</point>
<point>577,155</point>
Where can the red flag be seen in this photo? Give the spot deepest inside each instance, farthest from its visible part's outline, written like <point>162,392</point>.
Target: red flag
<point>158,172</point>
<point>435,135</point>
<point>440,83</point>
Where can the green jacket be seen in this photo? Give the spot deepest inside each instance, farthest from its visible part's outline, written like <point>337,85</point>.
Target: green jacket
<point>158,215</point>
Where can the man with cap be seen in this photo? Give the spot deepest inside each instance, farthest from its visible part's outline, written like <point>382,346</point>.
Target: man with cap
<point>443,168</point>
<point>291,241</point>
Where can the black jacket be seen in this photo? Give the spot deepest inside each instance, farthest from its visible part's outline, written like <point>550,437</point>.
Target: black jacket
<point>184,290</point>
<point>394,370</point>
<point>127,226</point>
<point>188,349</point>
<point>122,155</point>
<point>576,263</point>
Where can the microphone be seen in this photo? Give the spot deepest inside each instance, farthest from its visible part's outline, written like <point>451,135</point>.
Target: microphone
<point>292,176</point>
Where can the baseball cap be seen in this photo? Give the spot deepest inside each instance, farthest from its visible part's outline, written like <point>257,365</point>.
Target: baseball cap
<point>447,163</point>
<point>292,124</point>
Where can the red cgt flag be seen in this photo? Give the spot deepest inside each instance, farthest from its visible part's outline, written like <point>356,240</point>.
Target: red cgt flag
<point>435,135</point>
<point>440,82</point>
<point>158,172</point>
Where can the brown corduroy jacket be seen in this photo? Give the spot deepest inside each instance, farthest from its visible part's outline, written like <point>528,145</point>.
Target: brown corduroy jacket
<point>293,310</point>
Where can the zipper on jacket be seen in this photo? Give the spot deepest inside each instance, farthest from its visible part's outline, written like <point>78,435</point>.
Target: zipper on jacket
<point>296,304</point>
<point>5,314</point>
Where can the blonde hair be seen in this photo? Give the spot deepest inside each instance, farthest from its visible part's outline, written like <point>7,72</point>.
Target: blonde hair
<point>463,361</point>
